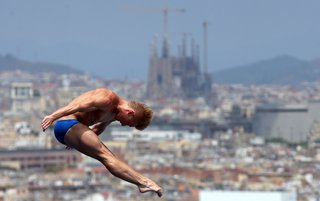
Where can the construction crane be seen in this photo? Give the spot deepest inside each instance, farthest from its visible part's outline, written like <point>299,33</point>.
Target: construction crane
<point>165,10</point>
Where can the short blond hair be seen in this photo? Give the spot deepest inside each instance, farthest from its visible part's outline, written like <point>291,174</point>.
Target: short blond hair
<point>145,113</point>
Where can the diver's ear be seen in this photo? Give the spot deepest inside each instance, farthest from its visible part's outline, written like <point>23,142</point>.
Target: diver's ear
<point>130,111</point>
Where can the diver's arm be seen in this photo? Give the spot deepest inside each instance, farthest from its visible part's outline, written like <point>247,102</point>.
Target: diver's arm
<point>87,102</point>
<point>99,127</point>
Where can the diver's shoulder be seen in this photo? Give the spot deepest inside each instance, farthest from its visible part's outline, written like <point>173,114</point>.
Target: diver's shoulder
<point>103,90</point>
<point>107,93</point>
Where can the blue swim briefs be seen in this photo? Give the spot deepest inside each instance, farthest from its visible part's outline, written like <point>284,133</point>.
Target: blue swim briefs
<point>61,128</point>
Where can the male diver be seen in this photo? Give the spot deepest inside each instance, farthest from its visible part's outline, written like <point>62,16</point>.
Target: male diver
<point>79,124</point>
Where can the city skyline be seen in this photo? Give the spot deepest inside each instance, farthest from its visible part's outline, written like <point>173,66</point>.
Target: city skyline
<point>190,144</point>
<point>112,39</point>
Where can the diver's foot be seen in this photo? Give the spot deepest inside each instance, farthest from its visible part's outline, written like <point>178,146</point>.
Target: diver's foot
<point>155,189</point>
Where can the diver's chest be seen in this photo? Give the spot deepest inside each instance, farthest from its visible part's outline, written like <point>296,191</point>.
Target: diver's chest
<point>103,116</point>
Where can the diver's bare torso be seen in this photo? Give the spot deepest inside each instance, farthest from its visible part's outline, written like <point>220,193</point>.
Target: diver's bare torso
<point>105,115</point>
<point>93,117</point>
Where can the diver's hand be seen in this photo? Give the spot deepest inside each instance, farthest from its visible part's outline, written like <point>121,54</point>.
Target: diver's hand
<point>46,122</point>
<point>68,148</point>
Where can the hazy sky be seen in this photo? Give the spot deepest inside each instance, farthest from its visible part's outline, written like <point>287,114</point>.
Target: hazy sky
<point>111,38</point>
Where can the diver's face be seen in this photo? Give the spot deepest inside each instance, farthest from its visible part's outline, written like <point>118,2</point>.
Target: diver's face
<point>127,118</point>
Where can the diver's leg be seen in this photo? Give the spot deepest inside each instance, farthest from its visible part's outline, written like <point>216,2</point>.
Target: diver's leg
<point>83,139</point>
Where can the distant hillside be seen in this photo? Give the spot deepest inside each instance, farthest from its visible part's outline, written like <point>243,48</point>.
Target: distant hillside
<point>10,62</point>
<point>279,70</point>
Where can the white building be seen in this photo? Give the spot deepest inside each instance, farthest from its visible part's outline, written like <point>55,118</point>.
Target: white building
<point>21,96</point>
<point>289,122</point>
<point>247,196</point>
<point>154,134</point>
